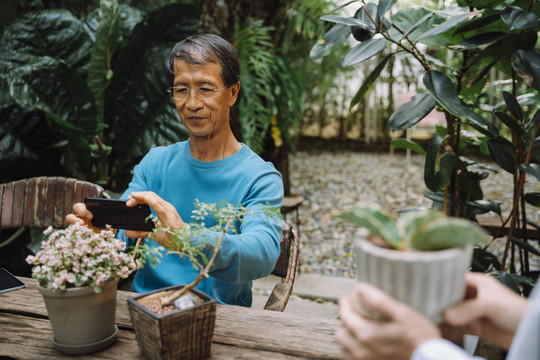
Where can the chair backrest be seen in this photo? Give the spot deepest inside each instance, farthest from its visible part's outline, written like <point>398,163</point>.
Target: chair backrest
<point>285,268</point>
<point>40,202</point>
<point>288,257</point>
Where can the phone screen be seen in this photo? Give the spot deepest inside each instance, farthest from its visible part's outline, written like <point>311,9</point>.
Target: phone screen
<point>9,282</point>
<point>118,215</point>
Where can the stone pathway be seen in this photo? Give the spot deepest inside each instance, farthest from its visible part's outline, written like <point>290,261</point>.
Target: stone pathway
<point>334,181</point>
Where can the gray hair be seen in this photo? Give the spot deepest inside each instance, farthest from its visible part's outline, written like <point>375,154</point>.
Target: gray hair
<point>204,48</point>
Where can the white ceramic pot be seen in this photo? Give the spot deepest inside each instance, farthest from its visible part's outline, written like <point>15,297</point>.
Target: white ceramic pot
<point>429,281</point>
<point>82,321</point>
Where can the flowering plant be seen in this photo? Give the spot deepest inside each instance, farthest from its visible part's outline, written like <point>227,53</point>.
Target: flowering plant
<point>79,256</point>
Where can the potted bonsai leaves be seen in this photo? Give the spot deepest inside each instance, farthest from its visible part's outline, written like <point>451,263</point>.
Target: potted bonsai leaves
<point>420,258</point>
<point>78,271</point>
<point>177,322</point>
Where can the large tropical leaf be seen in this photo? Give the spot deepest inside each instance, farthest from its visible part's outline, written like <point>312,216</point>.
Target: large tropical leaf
<point>27,145</point>
<point>99,71</point>
<point>410,113</point>
<point>443,27</point>
<point>368,82</point>
<point>438,166</point>
<point>532,170</point>
<point>443,90</point>
<point>363,51</point>
<point>418,18</point>
<point>519,19</point>
<point>52,33</point>
<point>528,61</point>
<point>145,116</point>
<point>168,24</point>
<point>406,144</point>
<point>330,41</point>
<point>513,105</point>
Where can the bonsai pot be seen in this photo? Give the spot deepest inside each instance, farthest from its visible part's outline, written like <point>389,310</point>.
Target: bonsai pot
<point>428,281</point>
<point>82,320</point>
<point>177,334</point>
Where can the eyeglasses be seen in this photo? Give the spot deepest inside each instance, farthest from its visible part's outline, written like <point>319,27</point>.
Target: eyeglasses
<point>204,93</point>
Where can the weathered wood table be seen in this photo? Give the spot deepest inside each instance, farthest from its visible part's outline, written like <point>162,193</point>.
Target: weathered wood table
<point>240,333</point>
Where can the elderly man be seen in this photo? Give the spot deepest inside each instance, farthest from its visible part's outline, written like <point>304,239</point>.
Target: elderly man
<point>210,166</point>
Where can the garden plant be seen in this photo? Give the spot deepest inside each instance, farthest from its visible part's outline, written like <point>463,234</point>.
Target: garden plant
<point>457,48</point>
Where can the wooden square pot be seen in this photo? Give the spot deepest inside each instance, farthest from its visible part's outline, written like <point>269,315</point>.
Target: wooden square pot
<point>179,334</point>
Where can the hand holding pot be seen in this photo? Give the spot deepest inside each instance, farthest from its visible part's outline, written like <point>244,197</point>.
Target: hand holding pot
<point>393,334</point>
<point>490,311</point>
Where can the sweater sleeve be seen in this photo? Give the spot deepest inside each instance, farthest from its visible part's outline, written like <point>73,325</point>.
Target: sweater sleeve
<point>253,252</point>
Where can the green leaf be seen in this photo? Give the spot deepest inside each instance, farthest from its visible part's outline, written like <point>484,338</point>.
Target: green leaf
<point>382,8</point>
<point>519,19</point>
<point>49,85</point>
<point>477,23</point>
<point>363,51</point>
<point>532,199</point>
<point>513,105</point>
<point>528,61</point>
<point>48,33</point>
<point>448,232</point>
<point>525,246</point>
<point>509,282</point>
<point>406,144</point>
<point>346,21</point>
<point>411,112</point>
<point>330,41</point>
<point>532,170</point>
<point>375,221</point>
<point>370,80</point>
<point>443,27</point>
<point>486,206</point>
<point>101,51</point>
<point>438,168</point>
<point>480,40</point>
<point>502,156</point>
<point>416,25</point>
<point>510,122</point>
<point>443,90</point>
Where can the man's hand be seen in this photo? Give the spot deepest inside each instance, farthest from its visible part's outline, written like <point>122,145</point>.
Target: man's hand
<point>81,215</point>
<point>166,213</point>
<point>388,329</point>
<point>490,310</point>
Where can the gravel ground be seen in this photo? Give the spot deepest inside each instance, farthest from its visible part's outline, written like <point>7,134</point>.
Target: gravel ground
<point>333,181</point>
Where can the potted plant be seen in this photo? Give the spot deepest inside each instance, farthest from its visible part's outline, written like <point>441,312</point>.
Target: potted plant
<point>78,270</point>
<point>420,258</point>
<point>177,322</point>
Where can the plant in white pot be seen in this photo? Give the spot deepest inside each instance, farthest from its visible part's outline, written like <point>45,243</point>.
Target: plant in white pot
<point>177,322</point>
<point>420,259</point>
<point>78,271</point>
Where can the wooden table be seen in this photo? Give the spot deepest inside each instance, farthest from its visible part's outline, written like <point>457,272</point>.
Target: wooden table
<point>240,333</point>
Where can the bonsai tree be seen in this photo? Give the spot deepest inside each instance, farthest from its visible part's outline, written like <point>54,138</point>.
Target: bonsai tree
<point>428,230</point>
<point>186,241</point>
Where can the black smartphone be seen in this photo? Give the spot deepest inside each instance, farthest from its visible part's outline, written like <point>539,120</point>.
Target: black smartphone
<point>9,282</point>
<point>118,215</point>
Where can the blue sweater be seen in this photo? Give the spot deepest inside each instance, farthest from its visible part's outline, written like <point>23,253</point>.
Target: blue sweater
<point>243,178</point>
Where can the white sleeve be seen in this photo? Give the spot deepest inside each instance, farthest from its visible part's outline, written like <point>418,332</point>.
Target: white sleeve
<point>440,349</point>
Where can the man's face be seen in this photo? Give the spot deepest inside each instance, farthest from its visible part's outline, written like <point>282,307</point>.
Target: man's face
<point>203,116</point>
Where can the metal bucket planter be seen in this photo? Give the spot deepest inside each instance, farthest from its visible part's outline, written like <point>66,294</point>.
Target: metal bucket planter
<point>178,334</point>
<point>429,281</point>
<point>82,321</point>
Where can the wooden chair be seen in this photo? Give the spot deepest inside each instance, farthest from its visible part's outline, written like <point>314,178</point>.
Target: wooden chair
<point>285,268</point>
<point>41,202</point>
